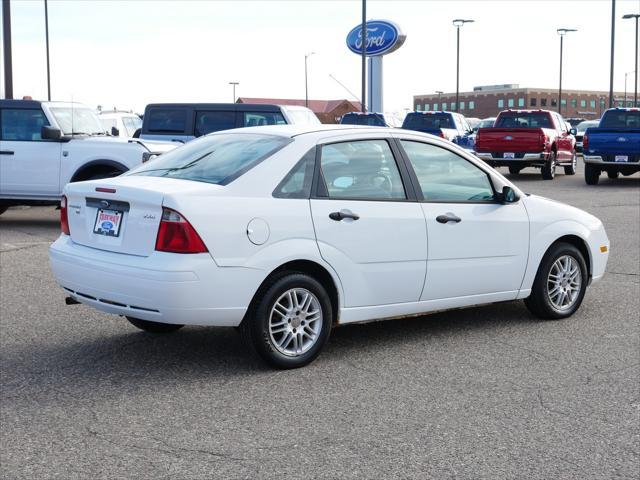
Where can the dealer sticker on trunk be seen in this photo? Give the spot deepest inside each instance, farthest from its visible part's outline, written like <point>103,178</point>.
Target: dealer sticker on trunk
<point>108,223</point>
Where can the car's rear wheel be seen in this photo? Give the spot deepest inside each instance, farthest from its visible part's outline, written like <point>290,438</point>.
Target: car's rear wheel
<point>571,169</point>
<point>154,327</point>
<point>549,168</point>
<point>289,321</point>
<point>560,283</point>
<point>613,174</point>
<point>513,170</point>
<point>591,174</point>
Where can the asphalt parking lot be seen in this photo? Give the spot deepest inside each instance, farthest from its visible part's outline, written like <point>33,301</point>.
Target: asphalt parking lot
<point>482,393</point>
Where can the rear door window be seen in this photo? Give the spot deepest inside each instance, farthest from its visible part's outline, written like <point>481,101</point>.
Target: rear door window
<point>257,119</point>
<point>207,122</point>
<point>165,120</point>
<point>621,119</point>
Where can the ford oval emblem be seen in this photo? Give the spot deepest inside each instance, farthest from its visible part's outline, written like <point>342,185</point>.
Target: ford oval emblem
<point>382,37</point>
<point>622,139</point>
<point>508,137</point>
<point>106,225</point>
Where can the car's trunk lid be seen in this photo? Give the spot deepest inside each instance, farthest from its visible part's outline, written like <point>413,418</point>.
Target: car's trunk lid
<point>509,140</point>
<point>123,214</point>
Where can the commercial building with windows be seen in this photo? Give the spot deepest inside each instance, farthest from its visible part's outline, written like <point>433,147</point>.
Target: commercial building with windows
<point>488,101</point>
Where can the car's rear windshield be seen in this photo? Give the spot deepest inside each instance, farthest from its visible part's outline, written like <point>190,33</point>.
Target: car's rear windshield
<point>524,120</point>
<point>431,121</point>
<point>371,120</point>
<point>216,158</point>
<point>621,119</point>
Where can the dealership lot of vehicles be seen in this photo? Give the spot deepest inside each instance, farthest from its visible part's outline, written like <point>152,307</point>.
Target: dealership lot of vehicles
<point>464,393</point>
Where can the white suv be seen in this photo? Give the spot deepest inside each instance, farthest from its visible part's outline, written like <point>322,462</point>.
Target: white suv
<point>45,145</point>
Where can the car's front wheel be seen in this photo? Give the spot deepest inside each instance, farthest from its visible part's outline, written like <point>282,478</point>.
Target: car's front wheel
<point>560,283</point>
<point>612,174</point>
<point>289,321</point>
<point>514,170</point>
<point>154,327</point>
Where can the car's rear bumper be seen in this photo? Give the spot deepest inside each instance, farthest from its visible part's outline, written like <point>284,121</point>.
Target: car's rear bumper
<point>525,159</point>
<point>599,160</point>
<point>164,287</point>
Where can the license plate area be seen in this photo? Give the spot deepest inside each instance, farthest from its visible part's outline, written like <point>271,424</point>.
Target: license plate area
<point>509,155</point>
<point>107,222</point>
<point>622,158</point>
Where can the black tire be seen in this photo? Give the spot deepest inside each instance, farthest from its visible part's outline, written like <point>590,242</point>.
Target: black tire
<point>513,170</point>
<point>549,168</point>
<point>613,174</point>
<point>3,209</point>
<point>571,169</point>
<point>591,174</point>
<point>255,326</point>
<point>539,302</point>
<point>154,327</point>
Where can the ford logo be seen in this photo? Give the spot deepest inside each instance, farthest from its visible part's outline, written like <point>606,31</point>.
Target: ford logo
<point>106,225</point>
<point>508,137</point>
<point>382,37</point>
<point>622,139</point>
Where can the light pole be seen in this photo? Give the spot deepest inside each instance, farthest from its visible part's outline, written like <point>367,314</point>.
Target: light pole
<point>613,41</point>
<point>363,34</point>
<point>635,91</point>
<point>46,31</point>
<point>625,87</point>
<point>562,32</point>
<point>306,85</point>
<point>439,92</point>
<point>458,22</point>
<point>6,49</point>
<point>234,90</point>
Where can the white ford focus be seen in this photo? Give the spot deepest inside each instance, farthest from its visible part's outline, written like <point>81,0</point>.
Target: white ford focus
<point>287,231</point>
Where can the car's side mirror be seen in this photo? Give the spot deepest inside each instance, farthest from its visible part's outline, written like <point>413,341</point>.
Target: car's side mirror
<point>573,131</point>
<point>50,133</point>
<point>115,132</point>
<point>508,195</point>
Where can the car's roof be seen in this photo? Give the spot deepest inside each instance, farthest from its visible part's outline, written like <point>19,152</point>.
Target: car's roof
<point>295,130</point>
<point>37,103</point>
<point>258,107</point>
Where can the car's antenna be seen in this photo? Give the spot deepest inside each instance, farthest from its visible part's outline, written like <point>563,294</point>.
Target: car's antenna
<point>342,85</point>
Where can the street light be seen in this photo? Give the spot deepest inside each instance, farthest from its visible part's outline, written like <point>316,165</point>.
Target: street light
<point>635,91</point>
<point>625,87</point>
<point>306,86</point>
<point>562,32</point>
<point>234,90</point>
<point>458,22</point>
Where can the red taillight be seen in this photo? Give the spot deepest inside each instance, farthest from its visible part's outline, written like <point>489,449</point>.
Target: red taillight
<point>64,218</point>
<point>176,235</point>
<point>543,139</point>
<point>442,135</point>
<point>585,142</point>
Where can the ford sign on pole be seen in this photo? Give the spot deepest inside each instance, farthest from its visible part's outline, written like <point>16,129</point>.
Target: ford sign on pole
<point>382,37</point>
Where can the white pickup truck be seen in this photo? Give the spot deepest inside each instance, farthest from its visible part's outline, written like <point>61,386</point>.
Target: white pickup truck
<point>45,145</point>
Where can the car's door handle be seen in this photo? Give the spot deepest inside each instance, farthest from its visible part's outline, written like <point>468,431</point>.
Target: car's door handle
<point>342,214</point>
<point>448,217</point>
<point>6,152</point>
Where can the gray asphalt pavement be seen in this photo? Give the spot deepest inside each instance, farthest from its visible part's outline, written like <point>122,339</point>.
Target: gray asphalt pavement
<point>482,393</point>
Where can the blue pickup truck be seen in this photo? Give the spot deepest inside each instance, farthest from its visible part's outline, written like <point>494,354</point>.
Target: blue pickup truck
<point>613,146</point>
<point>449,125</point>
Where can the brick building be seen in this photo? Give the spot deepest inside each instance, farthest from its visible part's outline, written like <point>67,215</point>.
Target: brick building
<point>488,101</point>
<point>328,111</point>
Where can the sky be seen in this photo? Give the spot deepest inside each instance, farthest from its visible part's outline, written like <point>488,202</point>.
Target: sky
<point>127,54</point>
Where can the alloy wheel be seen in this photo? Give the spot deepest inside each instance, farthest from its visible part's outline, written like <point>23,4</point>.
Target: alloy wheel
<point>564,283</point>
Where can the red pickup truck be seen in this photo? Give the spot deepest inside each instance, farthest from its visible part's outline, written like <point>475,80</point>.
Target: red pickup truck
<point>528,138</point>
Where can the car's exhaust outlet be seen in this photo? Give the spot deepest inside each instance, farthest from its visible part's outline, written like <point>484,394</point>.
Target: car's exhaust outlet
<point>71,301</point>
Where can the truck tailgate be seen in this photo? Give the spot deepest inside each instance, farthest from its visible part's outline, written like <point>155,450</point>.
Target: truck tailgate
<point>611,142</point>
<point>509,140</point>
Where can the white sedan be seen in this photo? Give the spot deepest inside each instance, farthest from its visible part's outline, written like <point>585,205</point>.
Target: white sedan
<point>288,231</point>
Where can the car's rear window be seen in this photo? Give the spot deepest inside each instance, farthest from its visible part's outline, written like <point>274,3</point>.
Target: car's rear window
<point>371,120</point>
<point>428,121</point>
<point>216,158</point>
<point>167,120</point>
<point>621,119</point>
<point>524,120</point>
